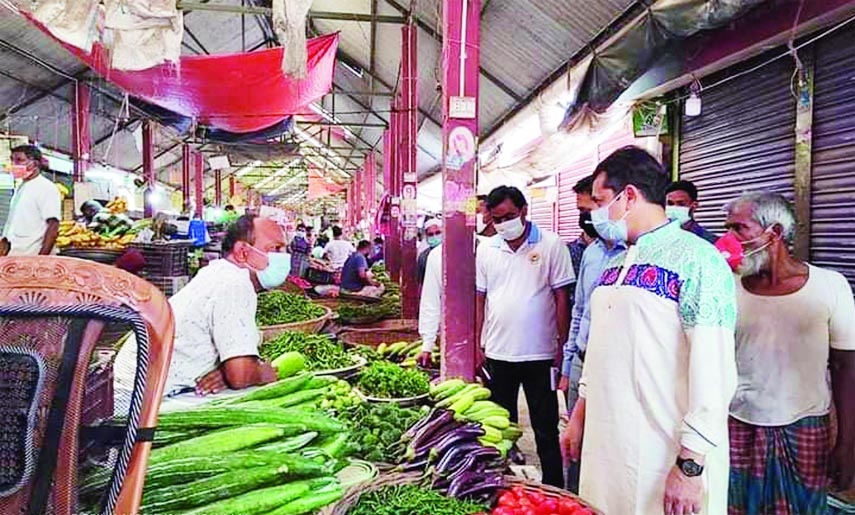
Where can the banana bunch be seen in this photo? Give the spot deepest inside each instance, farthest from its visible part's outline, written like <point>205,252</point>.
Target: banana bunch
<point>75,234</point>
<point>470,401</point>
<point>118,205</point>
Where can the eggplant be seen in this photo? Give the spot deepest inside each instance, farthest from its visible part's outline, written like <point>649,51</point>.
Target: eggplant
<point>454,453</point>
<point>413,465</point>
<point>436,429</point>
<point>484,454</point>
<point>488,485</point>
<point>411,433</point>
<point>448,431</point>
<point>472,431</point>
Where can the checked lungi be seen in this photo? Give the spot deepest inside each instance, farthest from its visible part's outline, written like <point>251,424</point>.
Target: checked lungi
<point>779,470</point>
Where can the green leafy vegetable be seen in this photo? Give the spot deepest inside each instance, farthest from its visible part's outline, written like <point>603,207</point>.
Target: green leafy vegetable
<point>278,307</point>
<point>390,381</point>
<point>376,429</point>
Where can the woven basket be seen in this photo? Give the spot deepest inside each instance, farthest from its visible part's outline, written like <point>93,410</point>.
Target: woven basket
<point>352,495</point>
<point>547,490</point>
<point>394,324</point>
<point>374,337</point>
<point>312,326</point>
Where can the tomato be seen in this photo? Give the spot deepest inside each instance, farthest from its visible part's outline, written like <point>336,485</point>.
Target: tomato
<point>567,507</point>
<point>504,510</point>
<point>525,502</point>
<point>519,492</point>
<point>548,507</point>
<point>508,499</point>
<point>537,498</point>
<point>528,511</point>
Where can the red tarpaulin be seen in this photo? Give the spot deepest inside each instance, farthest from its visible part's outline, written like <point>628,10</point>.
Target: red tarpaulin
<point>320,186</point>
<point>237,92</point>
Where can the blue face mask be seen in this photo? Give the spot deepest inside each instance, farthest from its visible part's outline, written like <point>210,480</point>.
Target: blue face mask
<point>614,231</point>
<point>434,241</point>
<point>276,272</point>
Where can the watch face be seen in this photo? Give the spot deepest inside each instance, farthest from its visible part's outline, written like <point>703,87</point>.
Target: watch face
<point>691,469</point>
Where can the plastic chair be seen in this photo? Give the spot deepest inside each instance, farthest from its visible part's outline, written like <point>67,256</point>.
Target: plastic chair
<point>60,320</point>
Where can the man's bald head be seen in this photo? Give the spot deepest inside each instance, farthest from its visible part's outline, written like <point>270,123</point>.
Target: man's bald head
<point>269,236</point>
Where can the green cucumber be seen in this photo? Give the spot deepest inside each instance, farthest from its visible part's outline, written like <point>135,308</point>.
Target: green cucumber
<point>295,443</point>
<point>446,389</point>
<point>272,390</point>
<point>263,500</point>
<point>499,423</point>
<point>336,446</point>
<point>219,442</point>
<point>227,416</point>
<point>310,503</point>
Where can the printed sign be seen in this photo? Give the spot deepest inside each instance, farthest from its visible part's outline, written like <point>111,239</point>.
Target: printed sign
<point>462,107</point>
<point>409,192</point>
<point>461,148</point>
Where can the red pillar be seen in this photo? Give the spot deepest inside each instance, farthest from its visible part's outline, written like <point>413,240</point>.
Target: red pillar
<point>357,197</point>
<point>370,183</point>
<point>408,123</point>
<point>186,166</point>
<point>459,136</point>
<point>81,141</point>
<point>232,187</point>
<point>148,165</point>
<point>199,182</point>
<point>218,188</point>
<point>393,241</point>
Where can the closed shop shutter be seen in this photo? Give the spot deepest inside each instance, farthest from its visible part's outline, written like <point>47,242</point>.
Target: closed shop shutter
<point>833,176</point>
<point>542,210</point>
<point>743,140</point>
<point>567,215</point>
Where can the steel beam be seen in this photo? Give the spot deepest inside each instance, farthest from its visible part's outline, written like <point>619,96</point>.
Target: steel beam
<point>343,124</point>
<point>267,11</point>
<point>81,138</point>
<point>148,166</point>
<point>461,55</point>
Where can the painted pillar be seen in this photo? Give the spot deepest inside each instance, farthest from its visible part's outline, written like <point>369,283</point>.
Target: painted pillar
<point>370,184</point>
<point>199,182</point>
<point>218,188</point>
<point>358,178</point>
<point>460,51</point>
<point>804,153</point>
<point>393,241</point>
<point>348,221</point>
<point>408,176</point>
<point>81,141</point>
<point>148,166</point>
<point>186,167</point>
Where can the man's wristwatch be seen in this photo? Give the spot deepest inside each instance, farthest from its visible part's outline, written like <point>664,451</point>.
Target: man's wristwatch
<point>689,468</point>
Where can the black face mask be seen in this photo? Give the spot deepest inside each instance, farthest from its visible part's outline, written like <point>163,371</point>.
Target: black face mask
<point>586,225</point>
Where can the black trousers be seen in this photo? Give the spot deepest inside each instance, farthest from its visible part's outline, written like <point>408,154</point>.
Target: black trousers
<point>534,376</point>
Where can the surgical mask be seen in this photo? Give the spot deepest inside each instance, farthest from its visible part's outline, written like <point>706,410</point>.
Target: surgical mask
<point>300,234</point>
<point>614,231</point>
<point>18,171</point>
<point>679,213</point>
<point>733,250</point>
<point>479,223</point>
<point>277,270</point>
<point>511,230</point>
<point>434,241</point>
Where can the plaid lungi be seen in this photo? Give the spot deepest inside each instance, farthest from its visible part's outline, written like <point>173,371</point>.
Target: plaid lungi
<point>779,470</point>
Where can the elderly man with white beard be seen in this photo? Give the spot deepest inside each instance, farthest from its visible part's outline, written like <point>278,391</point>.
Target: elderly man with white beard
<point>796,321</point>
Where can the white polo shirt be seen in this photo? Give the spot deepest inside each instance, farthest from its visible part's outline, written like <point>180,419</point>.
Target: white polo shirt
<point>338,251</point>
<point>519,320</point>
<point>35,202</point>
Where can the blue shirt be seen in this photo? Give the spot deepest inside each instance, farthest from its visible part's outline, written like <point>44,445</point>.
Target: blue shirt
<point>350,278</point>
<point>593,264</point>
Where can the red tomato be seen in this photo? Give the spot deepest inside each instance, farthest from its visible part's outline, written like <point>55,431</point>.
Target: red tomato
<point>567,507</point>
<point>504,510</point>
<point>537,498</point>
<point>519,491</point>
<point>548,506</point>
<point>525,502</point>
<point>508,499</point>
<point>528,511</point>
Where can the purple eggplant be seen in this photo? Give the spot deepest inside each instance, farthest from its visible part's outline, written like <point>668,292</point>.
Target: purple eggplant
<point>411,433</point>
<point>458,434</point>
<point>456,453</point>
<point>482,455</point>
<point>482,485</point>
<point>472,431</point>
<point>427,430</point>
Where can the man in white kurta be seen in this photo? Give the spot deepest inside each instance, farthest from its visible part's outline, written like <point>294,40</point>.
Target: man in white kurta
<point>660,369</point>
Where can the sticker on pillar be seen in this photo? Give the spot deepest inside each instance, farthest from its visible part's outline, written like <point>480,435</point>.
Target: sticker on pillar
<point>409,192</point>
<point>471,211</point>
<point>410,233</point>
<point>461,148</point>
<point>456,197</point>
<point>396,212</point>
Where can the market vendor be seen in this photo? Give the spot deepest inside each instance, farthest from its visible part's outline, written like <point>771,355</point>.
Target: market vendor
<point>89,209</point>
<point>356,278</point>
<point>216,337</point>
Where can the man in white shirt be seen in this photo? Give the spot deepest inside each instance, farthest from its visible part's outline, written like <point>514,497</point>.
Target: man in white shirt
<point>36,208</point>
<point>338,250</point>
<point>216,336</point>
<point>522,305</point>
<point>795,322</point>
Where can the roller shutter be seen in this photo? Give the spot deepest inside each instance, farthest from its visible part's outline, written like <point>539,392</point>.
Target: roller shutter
<point>742,141</point>
<point>542,211</point>
<point>833,176</point>
<point>567,214</point>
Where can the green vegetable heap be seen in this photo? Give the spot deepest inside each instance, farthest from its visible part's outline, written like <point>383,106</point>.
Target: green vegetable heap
<point>278,307</point>
<point>376,428</point>
<point>320,351</point>
<point>388,307</point>
<point>390,381</point>
<point>412,499</point>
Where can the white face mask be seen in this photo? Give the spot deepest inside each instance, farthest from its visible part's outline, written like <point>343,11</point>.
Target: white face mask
<point>511,230</point>
<point>678,213</point>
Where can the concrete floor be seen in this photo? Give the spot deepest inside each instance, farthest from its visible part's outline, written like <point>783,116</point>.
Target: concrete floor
<point>531,470</point>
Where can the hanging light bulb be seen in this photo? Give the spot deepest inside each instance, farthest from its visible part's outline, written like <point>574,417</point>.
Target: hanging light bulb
<point>693,103</point>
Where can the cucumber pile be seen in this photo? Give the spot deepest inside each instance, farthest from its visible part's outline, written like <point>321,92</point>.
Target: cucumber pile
<point>469,402</point>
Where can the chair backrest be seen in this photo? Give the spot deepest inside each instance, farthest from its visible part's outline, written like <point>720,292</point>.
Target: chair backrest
<point>60,321</point>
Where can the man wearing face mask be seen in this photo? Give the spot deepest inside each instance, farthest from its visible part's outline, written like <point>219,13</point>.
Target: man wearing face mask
<point>796,321</point>
<point>659,367</point>
<point>585,205</point>
<point>216,337</point>
<point>33,223</point>
<point>356,276</point>
<point>484,228</point>
<point>300,249</point>
<point>433,237</point>
<point>593,263</point>
<point>681,203</point>
<point>522,317</point>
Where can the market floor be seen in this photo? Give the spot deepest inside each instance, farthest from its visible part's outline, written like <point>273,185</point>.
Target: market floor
<point>531,469</point>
